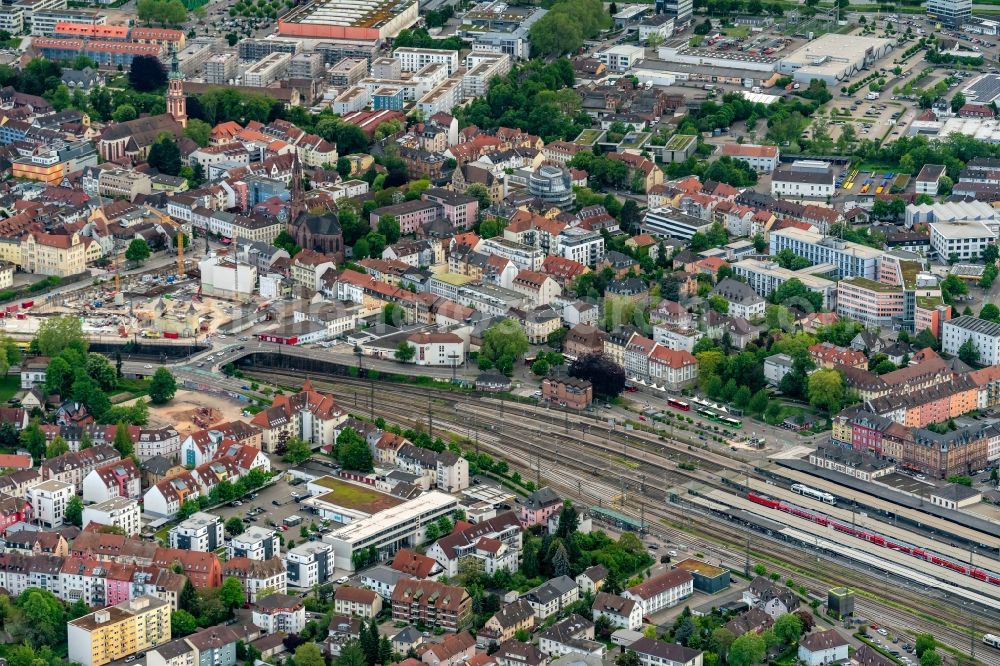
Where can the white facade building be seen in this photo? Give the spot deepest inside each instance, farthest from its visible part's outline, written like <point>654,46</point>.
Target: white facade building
<point>119,512</point>
<point>48,501</point>
<point>985,336</point>
<point>201,532</point>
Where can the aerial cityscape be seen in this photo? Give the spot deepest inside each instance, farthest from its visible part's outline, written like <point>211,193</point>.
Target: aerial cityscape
<point>499,333</point>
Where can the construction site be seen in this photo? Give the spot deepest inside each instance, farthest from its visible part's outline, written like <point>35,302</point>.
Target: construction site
<point>159,303</point>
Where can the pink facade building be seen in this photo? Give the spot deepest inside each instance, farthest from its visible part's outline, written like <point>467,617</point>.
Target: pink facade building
<point>537,508</point>
<point>457,208</point>
<point>411,215</point>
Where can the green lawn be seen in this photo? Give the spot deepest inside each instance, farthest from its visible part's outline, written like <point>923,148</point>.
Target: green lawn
<point>736,31</point>
<point>9,385</point>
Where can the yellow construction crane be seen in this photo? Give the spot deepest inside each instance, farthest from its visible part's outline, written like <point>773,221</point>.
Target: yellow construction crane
<point>180,255</point>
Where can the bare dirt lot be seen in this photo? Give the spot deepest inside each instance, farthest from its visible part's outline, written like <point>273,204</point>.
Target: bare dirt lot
<point>190,411</point>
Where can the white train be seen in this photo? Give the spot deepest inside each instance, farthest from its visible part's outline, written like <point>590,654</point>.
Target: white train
<point>992,640</point>
<point>826,498</point>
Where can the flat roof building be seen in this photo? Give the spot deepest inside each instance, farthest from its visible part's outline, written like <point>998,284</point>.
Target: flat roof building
<point>366,20</point>
<point>847,258</point>
<point>389,530</point>
<point>833,57</point>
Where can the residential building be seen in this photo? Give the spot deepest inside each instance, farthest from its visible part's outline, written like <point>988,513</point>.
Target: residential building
<point>961,240</point>
<point>985,336</point>
<point>502,625</point>
<point>552,596</point>
<point>257,576</point>
<point>458,648</point>
<point>48,501</point>
<point>571,635</point>
<point>929,178</point>
<point>496,542</point>
<point>772,598</point>
<point>619,611</point>
<point>743,300</point>
<point>255,543</point>
<point>309,564</point>
<point>820,648</point>
<point>568,391</point>
<point>280,613</point>
<point>662,591</point>
<point>200,532</point>
<point>120,512</point>
<point>432,603</point>
<point>538,506</point>
<point>654,652</point>
<point>118,631</point>
<point>357,602</point>
<point>116,479</point>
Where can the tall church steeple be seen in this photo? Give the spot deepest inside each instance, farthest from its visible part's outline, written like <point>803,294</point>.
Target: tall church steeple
<point>298,204</point>
<point>176,102</point>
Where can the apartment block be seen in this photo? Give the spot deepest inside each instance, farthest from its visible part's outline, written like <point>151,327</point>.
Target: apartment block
<point>120,512</point>
<point>119,631</point>
<point>848,259</point>
<point>221,68</point>
<point>266,71</point>
<point>985,336</point>
<point>874,304</point>
<point>201,532</point>
<point>48,500</point>
<point>414,59</point>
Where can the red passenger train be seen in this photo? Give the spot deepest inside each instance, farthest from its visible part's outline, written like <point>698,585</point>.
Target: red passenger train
<point>877,539</point>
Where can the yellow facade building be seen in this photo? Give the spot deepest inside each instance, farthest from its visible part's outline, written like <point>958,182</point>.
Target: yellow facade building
<point>118,631</point>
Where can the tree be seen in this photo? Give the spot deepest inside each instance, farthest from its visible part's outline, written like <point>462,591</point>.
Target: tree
<point>721,641</point>
<point>630,216</point>
<point>719,304</point>
<point>123,441</point>
<point>56,448</point>
<point>826,390</point>
<point>138,251</point>
<point>388,226</point>
<point>968,352</point>
<point>344,167</point>
<point>746,650</point>
<point>162,387</point>
<point>147,73</point>
<point>165,156</point>
<point>606,376</point>
<point>296,451</point>
<point>182,623</point>
<point>353,451</point>
<point>991,253</point>
<point>59,377</point>
<point>793,293</point>
<point>405,352</point>
<point>234,526</point>
<point>124,113</point>
<point>42,618</point>
<point>351,655</point>
<point>33,440</point>
<point>923,643</point>
<point>482,195</point>
<point>627,658</point>
<point>198,131</point>
<point>231,593</point>
<point>74,511</point>
<point>930,658</point>
<point>102,372</point>
<point>758,403</point>
<point>58,333</point>
<point>925,339</point>
<point>788,628</point>
<point>742,397</point>
<point>505,339</point>
<point>188,509</point>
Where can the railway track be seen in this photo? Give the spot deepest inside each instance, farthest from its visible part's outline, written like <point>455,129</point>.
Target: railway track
<point>497,430</point>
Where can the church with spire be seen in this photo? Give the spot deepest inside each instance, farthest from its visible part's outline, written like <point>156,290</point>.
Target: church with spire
<point>318,231</point>
<point>176,102</point>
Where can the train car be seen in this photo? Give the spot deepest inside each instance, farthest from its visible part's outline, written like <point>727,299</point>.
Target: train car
<point>764,500</point>
<point>992,640</point>
<point>824,497</point>
<point>678,404</point>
